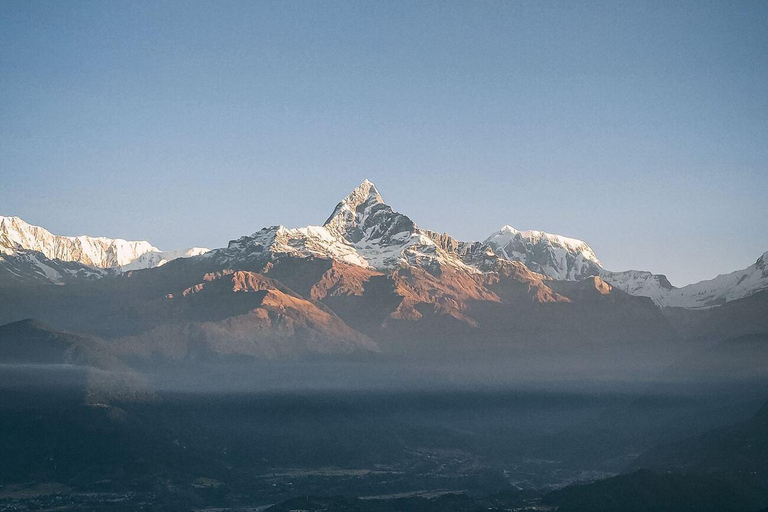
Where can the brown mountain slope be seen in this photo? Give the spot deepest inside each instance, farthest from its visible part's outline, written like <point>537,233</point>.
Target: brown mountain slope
<point>311,305</point>
<point>242,314</point>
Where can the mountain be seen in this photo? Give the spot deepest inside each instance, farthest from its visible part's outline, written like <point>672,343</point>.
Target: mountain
<point>32,253</point>
<point>24,267</point>
<point>555,256</point>
<point>96,252</point>
<point>736,453</point>
<point>32,353</point>
<point>569,259</point>
<point>642,283</point>
<point>362,231</point>
<point>724,288</point>
<point>239,313</point>
<point>705,294</point>
<point>738,317</point>
<point>368,279</point>
<point>31,342</point>
<point>366,232</point>
<point>736,358</point>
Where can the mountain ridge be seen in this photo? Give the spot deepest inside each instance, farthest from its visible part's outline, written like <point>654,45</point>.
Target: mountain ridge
<point>365,231</point>
<point>59,258</point>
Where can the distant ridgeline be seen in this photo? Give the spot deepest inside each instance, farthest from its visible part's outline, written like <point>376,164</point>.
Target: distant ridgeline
<point>368,280</point>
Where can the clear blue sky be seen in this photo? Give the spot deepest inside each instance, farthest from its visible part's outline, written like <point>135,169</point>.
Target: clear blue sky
<point>640,127</point>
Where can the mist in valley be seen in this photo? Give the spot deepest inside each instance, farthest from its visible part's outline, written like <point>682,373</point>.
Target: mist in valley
<point>239,433</point>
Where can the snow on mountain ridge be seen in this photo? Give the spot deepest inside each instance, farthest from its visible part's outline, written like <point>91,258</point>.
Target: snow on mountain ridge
<point>362,230</point>
<point>553,255</point>
<point>640,282</point>
<point>154,259</point>
<point>704,294</point>
<point>570,259</point>
<point>723,288</point>
<point>346,214</point>
<point>365,231</point>
<point>100,252</point>
<point>18,236</point>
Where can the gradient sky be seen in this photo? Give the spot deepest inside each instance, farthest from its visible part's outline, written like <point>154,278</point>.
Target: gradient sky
<point>640,127</point>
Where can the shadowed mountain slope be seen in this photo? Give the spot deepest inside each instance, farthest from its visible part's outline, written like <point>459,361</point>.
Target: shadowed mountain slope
<point>35,355</point>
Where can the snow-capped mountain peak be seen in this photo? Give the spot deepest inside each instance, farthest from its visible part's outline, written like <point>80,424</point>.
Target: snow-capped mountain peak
<point>58,255</point>
<point>723,288</point>
<point>99,252</point>
<point>553,255</point>
<point>362,230</point>
<point>366,192</point>
<point>565,258</point>
<point>704,294</point>
<point>384,238</point>
<point>354,210</point>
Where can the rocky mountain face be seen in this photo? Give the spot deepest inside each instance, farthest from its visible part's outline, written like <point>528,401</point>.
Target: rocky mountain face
<point>239,313</point>
<point>642,283</point>
<point>362,231</point>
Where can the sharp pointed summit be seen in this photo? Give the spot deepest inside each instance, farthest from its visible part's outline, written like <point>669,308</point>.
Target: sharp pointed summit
<point>366,192</point>
<point>345,215</point>
<point>362,230</point>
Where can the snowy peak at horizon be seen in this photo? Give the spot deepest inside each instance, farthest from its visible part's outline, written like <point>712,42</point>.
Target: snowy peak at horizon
<point>572,244</point>
<point>556,256</point>
<point>365,231</point>
<point>364,216</point>
<point>362,230</point>
<point>99,252</point>
<point>154,259</point>
<point>570,259</point>
<point>345,215</point>
<point>18,239</point>
<point>703,294</point>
